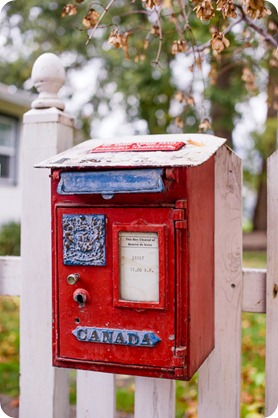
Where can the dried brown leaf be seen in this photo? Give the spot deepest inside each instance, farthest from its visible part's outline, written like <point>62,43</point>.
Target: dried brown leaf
<point>69,10</point>
<point>205,10</point>
<point>179,46</point>
<point>91,19</point>
<point>219,42</point>
<point>204,125</point>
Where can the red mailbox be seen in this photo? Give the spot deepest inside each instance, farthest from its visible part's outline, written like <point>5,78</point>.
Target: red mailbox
<point>133,255</point>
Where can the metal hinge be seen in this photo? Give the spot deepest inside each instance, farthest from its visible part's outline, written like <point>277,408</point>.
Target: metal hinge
<point>181,204</point>
<point>180,355</point>
<point>181,224</point>
<point>181,351</point>
<point>180,221</point>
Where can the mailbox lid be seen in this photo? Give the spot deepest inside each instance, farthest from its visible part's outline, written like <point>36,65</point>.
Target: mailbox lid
<point>138,151</point>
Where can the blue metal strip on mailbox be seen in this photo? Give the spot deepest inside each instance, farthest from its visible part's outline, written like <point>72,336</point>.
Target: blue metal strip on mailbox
<point>116,336</point>
<point>111,182</point>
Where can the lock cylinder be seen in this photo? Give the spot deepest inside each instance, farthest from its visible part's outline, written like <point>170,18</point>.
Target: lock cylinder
<point>81,296</point>
<point>73,278</point>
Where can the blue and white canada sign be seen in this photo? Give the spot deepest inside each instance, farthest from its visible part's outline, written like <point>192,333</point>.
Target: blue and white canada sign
<point>116,336</point>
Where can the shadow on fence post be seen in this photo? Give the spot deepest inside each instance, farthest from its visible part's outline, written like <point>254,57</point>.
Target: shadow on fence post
<point>271,387</point>
<point>219,377</point>
<point>47,131</point>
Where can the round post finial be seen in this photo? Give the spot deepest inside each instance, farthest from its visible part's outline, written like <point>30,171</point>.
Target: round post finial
<point>48,76</point>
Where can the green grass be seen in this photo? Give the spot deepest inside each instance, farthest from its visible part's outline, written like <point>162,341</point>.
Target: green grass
<point>10,239</point>
<point>9,345</point>
<point>253,358</point>
<point>125,399</point>
<point>254,259</point>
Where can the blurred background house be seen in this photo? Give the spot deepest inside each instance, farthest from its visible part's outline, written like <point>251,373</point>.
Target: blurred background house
<point>13,104</point>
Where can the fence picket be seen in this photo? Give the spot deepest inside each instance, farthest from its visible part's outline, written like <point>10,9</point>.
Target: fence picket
<point>219,377</point>
<point>154,398</point>
<point>253,290</point>
<point>10,276</point>
<point>95,395</point>
<point>272,287</point>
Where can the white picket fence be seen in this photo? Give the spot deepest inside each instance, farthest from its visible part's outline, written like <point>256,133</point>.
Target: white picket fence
<point>44,390</point>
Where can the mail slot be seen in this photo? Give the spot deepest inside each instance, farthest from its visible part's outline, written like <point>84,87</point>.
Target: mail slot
<point>133,254</point>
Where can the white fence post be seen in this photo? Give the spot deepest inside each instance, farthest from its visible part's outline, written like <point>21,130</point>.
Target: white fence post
<point>271,389</point>
<point>154,398</point>
<point>96,396</point>
<point>10,276</point>
<point>219,377</point>
<point>47,130</point>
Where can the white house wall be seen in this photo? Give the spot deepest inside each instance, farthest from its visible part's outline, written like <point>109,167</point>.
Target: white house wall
<point>12,103</point>
<point>10,195</point>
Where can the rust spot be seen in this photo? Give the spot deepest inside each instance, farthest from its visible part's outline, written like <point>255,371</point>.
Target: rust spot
<point>275,290</point>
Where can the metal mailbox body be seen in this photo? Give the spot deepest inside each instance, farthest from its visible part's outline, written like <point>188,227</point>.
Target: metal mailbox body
<point>133,255</point>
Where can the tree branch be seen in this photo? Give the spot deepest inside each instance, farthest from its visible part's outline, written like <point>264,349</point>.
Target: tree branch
<point>106,9</point>
<point>160,40</point>
<point>267,37</point>
<point>206,45</point>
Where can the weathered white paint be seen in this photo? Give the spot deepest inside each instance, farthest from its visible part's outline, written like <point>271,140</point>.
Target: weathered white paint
<point>59,389</point>
<point>43,389</point>
<point>10,276</point>
<point>198,148</point>
<point>154,398</point>
<point>254,290</point>
<point>95,395</point>
<point>272,287</point>
<point>38,378</point>
<point>48,76</point>
<point>219,377</point>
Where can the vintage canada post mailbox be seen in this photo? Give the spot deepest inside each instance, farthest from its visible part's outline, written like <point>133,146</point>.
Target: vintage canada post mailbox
<point>133,254</point>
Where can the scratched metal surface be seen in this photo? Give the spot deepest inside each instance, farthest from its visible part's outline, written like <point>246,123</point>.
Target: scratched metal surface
<point>198,148</point>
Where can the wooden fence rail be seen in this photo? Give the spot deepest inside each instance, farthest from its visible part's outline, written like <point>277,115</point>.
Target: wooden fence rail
<point>96,390</point>
<point>44,390</point>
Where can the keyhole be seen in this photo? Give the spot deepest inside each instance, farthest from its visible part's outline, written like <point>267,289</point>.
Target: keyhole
<point>81,296</point>
<point>80,299</point>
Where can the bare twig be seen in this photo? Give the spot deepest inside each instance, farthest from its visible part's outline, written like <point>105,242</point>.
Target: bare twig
<point>182,6</point>
<point>267,37</point>
<point>206,45</point>
<point>177,26</point>
<point>160,40</point>
<point>106,9</point>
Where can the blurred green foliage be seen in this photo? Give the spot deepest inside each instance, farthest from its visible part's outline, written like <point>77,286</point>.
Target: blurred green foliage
<point>10,239</point>
<point>9,345</point>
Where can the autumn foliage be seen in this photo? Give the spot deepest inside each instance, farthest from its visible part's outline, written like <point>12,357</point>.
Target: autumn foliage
<point>173,25</point>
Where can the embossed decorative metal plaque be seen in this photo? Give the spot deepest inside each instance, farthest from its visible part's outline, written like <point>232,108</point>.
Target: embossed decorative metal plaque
<point>116,336</point>
<point>84,240</point>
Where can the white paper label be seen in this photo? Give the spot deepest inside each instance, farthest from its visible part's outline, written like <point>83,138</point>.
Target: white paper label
<point>139,266</point>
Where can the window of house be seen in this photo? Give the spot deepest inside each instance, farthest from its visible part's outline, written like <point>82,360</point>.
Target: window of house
<point>8,149</point>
